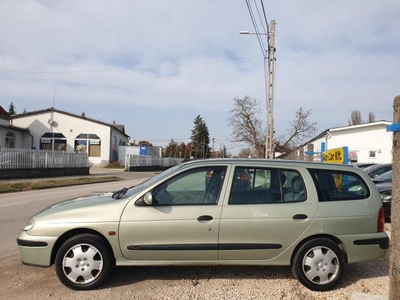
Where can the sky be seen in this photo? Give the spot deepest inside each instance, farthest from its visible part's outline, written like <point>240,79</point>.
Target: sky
<point>156,65</point>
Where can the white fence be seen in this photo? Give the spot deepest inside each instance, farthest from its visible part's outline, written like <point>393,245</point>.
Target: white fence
<point>150,161</point>
<point>13,158</point>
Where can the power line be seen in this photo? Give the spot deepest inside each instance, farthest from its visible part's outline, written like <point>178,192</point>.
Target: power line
<point>128,69</point>
<point>265,16</point>
<point>256,28</point>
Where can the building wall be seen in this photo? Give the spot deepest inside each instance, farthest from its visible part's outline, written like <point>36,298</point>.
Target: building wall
<point>123,151</point>
<point>361,140</point>
<point>71,127</point>
<point>4,122</point>
<point>22,139</point>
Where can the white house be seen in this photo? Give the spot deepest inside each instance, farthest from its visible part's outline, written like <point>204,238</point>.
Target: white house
<point>12,136</point>
<point>53,129</point>
<point>368,142</point>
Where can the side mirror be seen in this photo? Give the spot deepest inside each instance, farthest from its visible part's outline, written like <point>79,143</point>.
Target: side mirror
<point>148,198</point>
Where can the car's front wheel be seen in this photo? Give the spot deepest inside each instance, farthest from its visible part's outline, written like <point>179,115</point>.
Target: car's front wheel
<point>319,264</point>
<point>84,262</point>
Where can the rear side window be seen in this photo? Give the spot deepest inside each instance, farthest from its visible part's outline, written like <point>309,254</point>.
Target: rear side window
<point>266,185</point>
<point>333,185</point>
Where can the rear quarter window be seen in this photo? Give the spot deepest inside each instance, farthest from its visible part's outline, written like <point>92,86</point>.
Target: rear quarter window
<point>334,185</point>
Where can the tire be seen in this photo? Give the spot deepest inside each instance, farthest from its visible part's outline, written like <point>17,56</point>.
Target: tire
<point>84,262</point>
<point>319,264</point>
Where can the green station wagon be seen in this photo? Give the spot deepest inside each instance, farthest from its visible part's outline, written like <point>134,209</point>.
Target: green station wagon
<point>285,213</point>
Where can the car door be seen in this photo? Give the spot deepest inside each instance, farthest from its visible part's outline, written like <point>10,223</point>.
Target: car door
<point>263,221</point>
<point>183,222</point>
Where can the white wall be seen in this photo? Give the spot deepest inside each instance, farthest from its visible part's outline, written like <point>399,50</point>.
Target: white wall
<point>70,127</point>
<point>360,139</point>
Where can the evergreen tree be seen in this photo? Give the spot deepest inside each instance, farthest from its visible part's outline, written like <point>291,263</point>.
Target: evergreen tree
<point>171,149</point>
<point>11,110</point>
<point>200,139</point>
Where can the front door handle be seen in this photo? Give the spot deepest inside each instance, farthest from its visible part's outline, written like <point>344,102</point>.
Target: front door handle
<point>205,218</point>
<point>300,217</point>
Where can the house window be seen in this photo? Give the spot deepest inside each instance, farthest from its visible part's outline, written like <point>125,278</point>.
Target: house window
<point>88,143</point>
<point>10,140</point>
<point>372,154</point>
<point>53,141</point>
<point>114,144</point>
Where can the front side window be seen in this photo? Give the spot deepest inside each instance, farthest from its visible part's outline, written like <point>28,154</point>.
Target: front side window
<point>333,185</point>
<point>266,185</point>
<point>200,186</point>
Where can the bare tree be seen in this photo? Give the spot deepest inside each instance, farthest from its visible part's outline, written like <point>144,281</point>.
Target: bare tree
<point>371,117</point>
<point>355,118</point>
<point>245,153</point>
<point>300,129</point>
<point>247,127</point>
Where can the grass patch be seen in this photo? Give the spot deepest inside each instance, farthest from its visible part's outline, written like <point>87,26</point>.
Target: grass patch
<point>114,165</point>
<point>47,184</point>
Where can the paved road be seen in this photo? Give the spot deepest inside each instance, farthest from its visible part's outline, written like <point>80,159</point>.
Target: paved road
<point>17,208</point>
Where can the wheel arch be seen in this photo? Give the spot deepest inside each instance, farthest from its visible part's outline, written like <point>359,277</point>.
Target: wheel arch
<point>74,232</point>
<point>337,241</point>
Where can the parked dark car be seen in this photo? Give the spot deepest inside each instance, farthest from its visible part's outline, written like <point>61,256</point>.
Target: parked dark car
<point>378,169</point>
<point>385,177</point>
<point>362,165</point>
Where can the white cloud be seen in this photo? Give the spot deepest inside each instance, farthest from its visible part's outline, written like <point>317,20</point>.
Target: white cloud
<point>333,57</point>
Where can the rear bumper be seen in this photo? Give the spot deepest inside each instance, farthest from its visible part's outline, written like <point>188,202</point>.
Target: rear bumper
<point>365,247</point>
<point>382,242</point>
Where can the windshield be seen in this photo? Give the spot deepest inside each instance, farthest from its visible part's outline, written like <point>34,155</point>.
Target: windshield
<point>151,180</point>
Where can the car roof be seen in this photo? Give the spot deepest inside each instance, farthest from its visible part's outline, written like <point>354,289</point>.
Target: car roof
<point>267,162</point>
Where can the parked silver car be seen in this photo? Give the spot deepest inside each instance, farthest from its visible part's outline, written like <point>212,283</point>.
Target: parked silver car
<point>296,214</point>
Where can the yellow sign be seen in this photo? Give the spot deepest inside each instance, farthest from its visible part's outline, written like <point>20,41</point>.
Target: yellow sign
<point>333,156</point>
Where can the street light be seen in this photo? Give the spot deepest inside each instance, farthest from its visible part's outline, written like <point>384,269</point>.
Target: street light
<point>248,32</point>
<point>269,138</point>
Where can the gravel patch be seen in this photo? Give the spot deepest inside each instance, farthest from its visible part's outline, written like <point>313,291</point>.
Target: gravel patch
<point>192,283</point>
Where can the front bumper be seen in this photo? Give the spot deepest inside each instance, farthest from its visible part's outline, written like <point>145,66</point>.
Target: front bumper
<point>35,250</point>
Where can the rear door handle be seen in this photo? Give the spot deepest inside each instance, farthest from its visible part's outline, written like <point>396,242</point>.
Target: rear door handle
<point>205,218</point>
<point>300,217</point>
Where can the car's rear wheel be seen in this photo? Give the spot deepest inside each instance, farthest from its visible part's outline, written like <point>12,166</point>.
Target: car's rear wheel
<point>84,262</point>
<point>319,264</point>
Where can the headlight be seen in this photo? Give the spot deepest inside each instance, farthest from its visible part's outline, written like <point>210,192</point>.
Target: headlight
<point>30,225</point>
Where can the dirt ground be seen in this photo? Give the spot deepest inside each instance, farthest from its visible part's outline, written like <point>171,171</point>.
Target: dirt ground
<point>23,282</point>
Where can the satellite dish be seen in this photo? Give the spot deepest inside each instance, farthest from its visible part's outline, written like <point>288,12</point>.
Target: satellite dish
<point>50,121</point>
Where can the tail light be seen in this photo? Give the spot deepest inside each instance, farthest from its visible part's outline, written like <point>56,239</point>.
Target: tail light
<point>381,220</point>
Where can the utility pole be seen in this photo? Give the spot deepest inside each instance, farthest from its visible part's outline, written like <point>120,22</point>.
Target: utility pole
<point>394,269</point>
<point>269,139</point>
<point>269,89</point>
